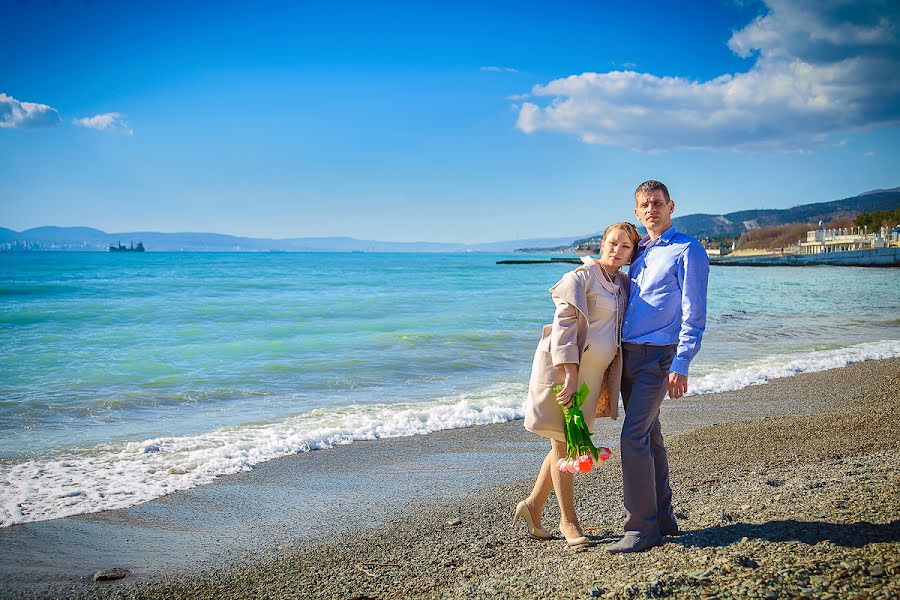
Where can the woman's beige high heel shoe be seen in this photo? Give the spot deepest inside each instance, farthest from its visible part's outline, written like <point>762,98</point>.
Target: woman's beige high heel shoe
<point>574,542</point>
<point>578,541</point>
<point>523,513</point>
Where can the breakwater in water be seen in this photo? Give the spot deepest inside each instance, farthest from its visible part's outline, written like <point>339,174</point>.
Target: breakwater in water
<point>876,257</point>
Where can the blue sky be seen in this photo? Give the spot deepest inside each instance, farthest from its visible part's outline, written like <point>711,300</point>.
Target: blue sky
<point>455,122</point>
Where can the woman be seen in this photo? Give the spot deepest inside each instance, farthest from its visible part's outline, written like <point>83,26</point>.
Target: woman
<point>581,346</point>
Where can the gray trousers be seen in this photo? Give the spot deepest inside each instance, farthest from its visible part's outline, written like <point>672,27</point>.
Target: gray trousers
<point>645,466</point>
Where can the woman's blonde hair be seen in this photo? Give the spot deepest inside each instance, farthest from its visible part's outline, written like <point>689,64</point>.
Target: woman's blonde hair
<point>629,229</point>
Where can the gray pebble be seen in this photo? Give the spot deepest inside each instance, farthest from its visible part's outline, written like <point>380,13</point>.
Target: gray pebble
<point>110,575</point>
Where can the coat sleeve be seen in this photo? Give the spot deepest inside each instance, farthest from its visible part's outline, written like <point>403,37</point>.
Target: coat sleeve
<point>564,333</point>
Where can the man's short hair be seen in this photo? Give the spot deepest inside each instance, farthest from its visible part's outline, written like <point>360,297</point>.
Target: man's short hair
<point>649,186</point>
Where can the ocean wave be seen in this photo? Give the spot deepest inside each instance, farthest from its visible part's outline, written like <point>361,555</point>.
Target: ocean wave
<point>761,370</point>
<point>121,476</point>
<point>125,475</point>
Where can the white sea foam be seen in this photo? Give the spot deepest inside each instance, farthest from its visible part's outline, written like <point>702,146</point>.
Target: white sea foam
<point>117,477</point>
<point>761,370</point>
<point>125,475</point>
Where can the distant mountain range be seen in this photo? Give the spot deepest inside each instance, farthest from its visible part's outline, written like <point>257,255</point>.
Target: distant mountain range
<point>734,224</point>
<point>698,226</point>
<point>88,239</point>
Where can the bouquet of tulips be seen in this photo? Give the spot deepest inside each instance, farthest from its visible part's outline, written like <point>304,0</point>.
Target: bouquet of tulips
<point>582,455</point>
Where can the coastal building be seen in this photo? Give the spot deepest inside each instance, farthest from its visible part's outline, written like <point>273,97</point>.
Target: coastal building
<point>849,239</point>
<point>717,248</point>
<point>591,245</point>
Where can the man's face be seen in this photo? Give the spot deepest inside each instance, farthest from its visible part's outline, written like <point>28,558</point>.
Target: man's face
<point>654,212</point>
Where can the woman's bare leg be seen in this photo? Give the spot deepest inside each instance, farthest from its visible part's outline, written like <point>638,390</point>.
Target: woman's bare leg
<point>542,486</point>
<point>563,485</point>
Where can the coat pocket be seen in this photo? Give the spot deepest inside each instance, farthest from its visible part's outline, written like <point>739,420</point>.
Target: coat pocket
<point>544,344</point>
<point>543,373</point>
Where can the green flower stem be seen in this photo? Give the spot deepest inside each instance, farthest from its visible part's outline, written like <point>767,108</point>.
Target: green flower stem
<point>578,437</point>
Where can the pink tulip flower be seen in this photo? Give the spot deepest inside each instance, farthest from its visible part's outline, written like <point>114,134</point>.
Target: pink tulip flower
<point>585,464</point>
<point>605,453</point>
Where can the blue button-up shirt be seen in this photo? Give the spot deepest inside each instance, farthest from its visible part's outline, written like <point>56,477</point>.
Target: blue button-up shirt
<point>667,300</point>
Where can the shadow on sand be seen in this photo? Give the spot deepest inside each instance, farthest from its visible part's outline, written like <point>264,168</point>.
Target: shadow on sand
<point>852,535</point>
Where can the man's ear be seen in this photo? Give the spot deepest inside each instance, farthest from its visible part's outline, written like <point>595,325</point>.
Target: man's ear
<point>672,204</point>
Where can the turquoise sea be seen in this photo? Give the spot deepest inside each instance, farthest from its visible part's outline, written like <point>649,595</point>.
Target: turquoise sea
<point>124,377</point>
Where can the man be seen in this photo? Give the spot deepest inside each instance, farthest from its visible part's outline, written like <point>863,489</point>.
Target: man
<point>661,333</point>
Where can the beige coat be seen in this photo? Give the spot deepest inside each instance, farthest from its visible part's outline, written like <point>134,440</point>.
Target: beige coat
<point>563,342</point>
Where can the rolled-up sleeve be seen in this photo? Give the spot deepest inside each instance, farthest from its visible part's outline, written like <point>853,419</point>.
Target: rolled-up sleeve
<point>693,271</point>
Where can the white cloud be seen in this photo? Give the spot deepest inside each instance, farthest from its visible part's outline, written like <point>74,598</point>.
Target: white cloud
<point>869,153</point>
<point>26,115</point>
<point>819,68</point>
<point>500,69</point>
<point>106,122</point>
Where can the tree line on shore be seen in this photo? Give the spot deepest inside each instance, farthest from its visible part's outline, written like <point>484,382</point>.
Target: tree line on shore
<point>879,218</point>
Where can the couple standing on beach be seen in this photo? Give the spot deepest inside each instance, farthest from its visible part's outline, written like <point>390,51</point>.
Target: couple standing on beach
<point>635,333</point>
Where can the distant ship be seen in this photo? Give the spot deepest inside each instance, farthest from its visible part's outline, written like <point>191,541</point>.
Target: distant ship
<point>132,248</point>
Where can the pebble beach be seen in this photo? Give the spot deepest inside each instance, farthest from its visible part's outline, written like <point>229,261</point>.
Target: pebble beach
<point>787,489</point>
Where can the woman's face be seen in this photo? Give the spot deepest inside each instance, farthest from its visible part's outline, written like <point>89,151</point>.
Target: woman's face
<point>617,249</point>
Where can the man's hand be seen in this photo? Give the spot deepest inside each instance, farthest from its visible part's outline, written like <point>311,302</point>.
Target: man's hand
<point>678,385</point>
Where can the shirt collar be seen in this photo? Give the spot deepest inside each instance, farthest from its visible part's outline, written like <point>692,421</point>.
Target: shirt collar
<point>665,238</point>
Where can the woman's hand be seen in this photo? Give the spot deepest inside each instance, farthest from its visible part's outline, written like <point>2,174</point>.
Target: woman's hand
<point>564,397</point>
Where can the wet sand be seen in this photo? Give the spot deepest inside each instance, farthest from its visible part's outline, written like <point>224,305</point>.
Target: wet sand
<point>428,515</point>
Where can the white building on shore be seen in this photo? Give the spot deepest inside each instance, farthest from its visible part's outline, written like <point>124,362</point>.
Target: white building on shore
<point>848,239</point>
